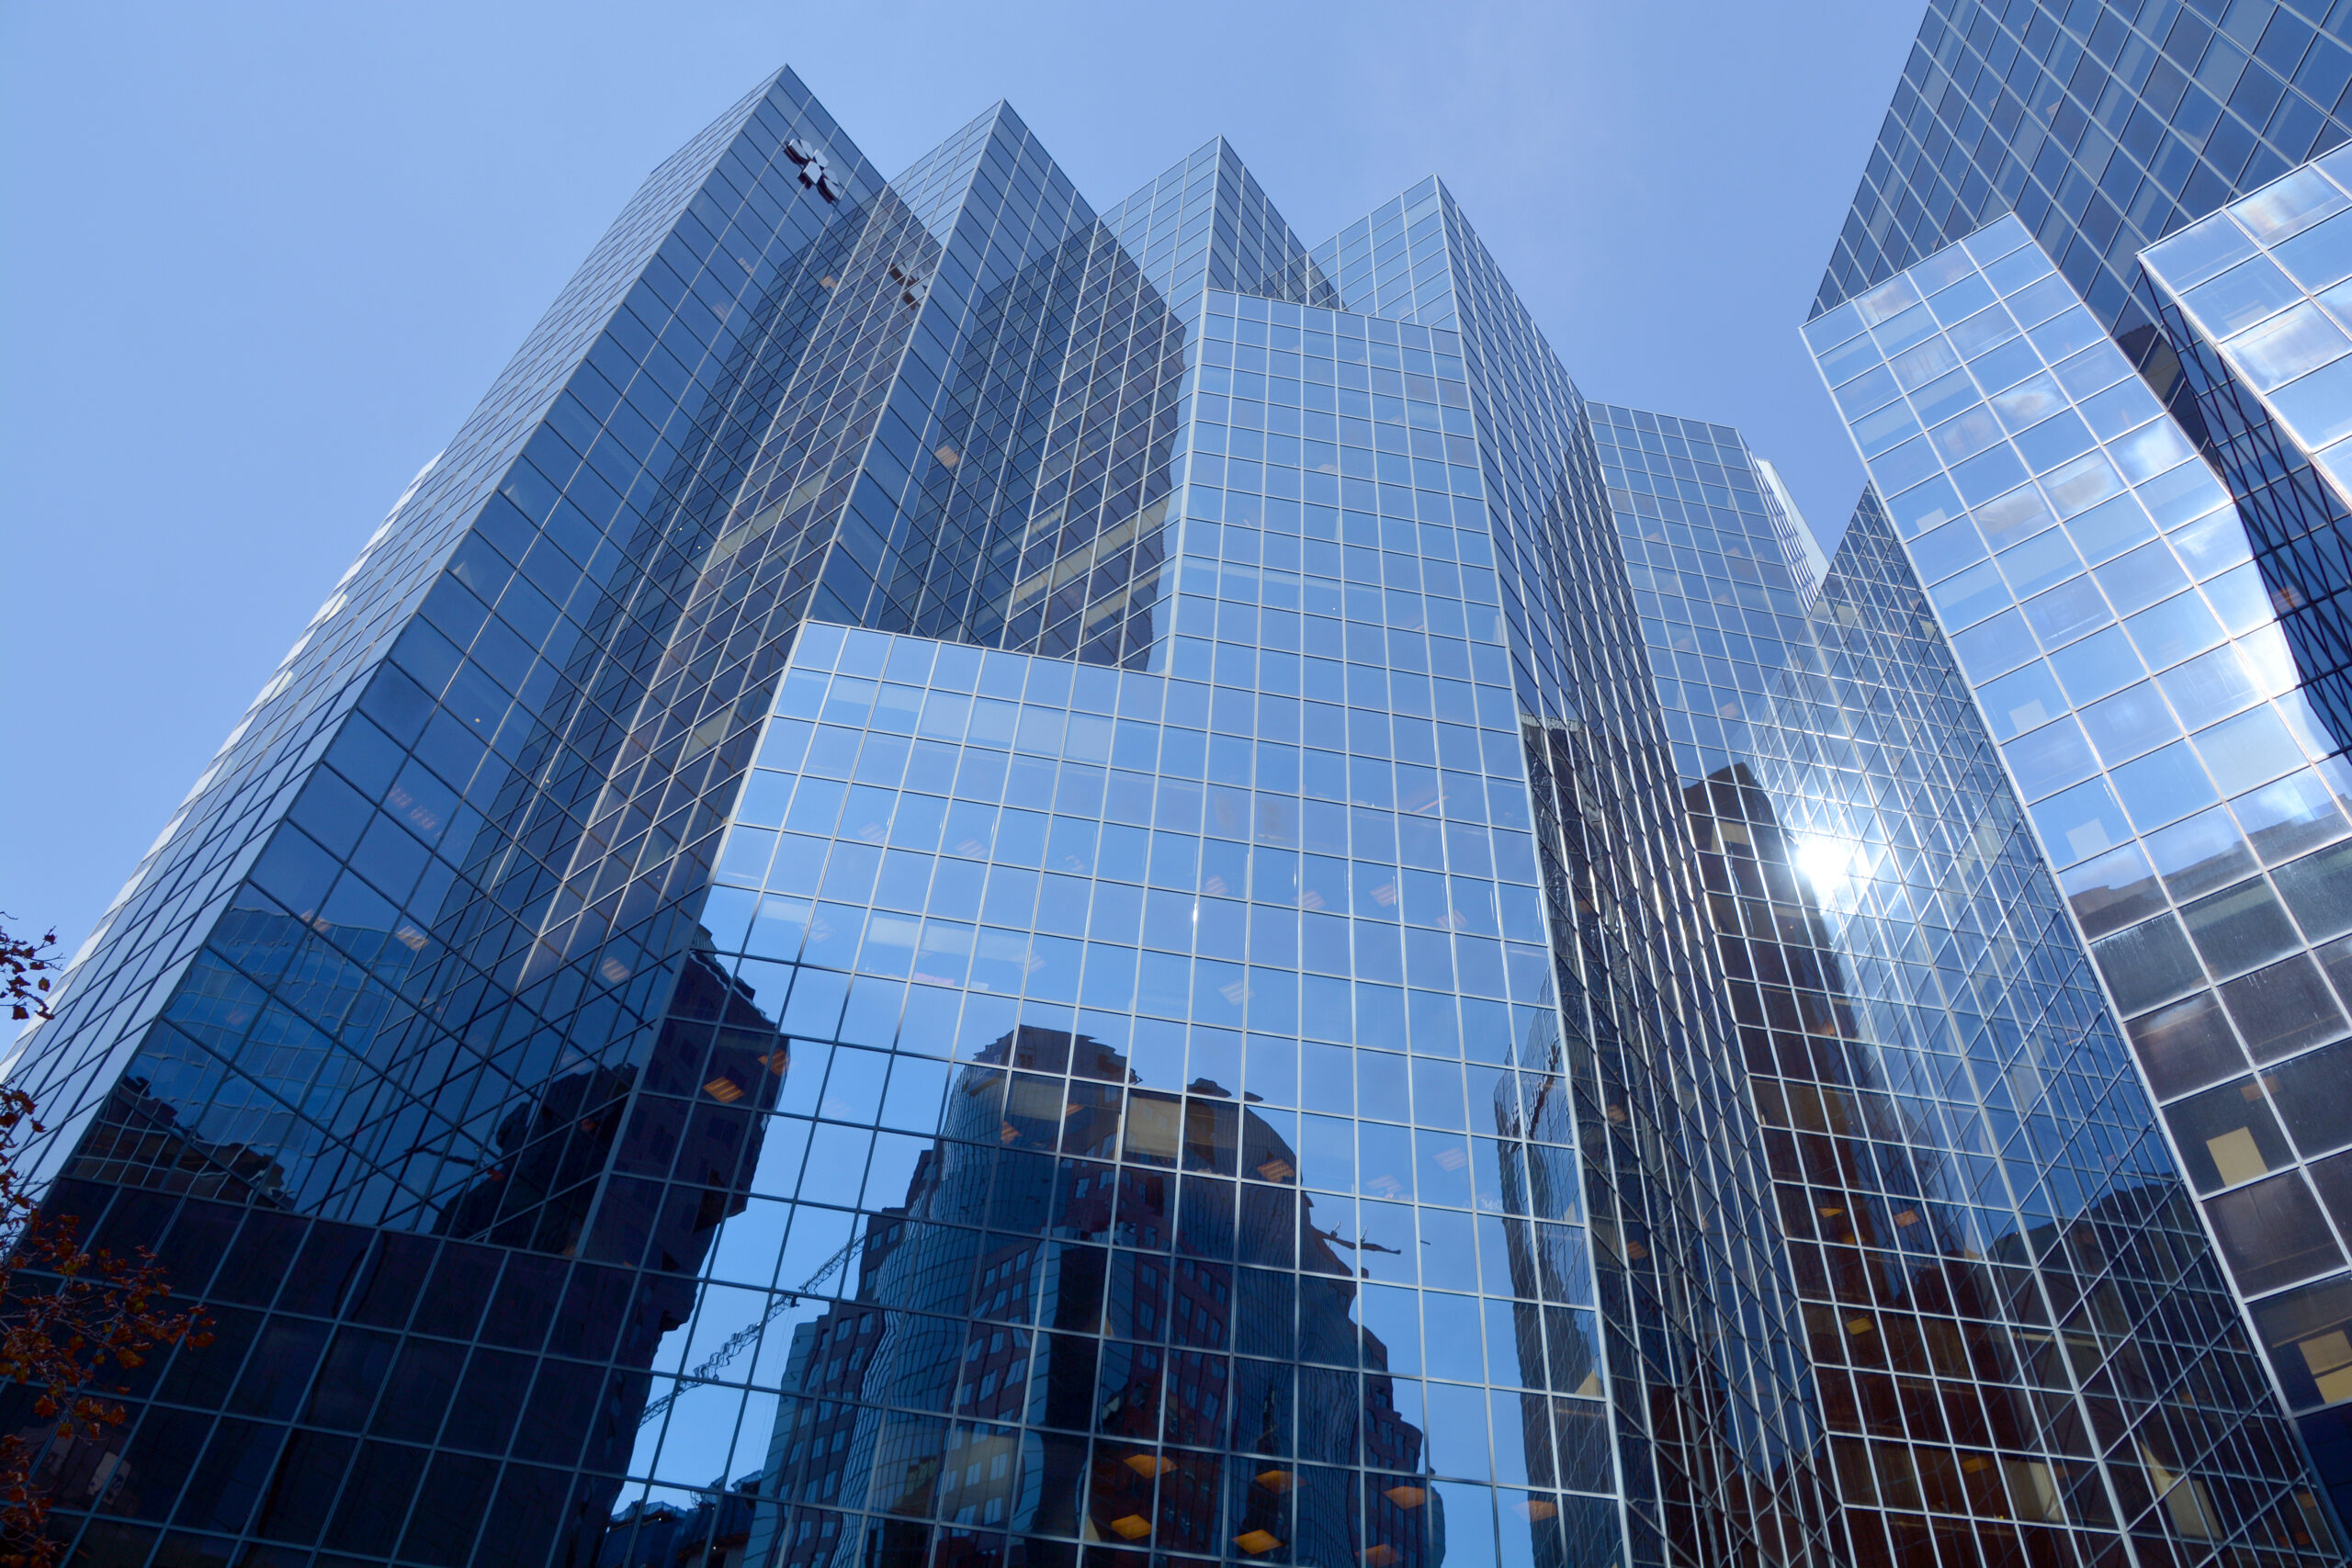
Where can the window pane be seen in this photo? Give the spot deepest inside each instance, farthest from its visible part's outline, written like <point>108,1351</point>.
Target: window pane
<point>2313,1095</point>
<point>2113,890</point>
<point>2227,1136</point>
<point>2186,1046</point>
<point>2273,1235</point>
<point>2319,891</point>
<point>2240,927</point>
<point>2309,1335</point>
<point>2282,1009</point>
<point>2147,965</point>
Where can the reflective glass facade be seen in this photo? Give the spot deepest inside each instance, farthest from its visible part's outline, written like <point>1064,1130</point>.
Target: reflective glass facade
<point>2261,382</point>
<point>2102,602</point>
<point>2102,124</point>
<point>2277,328</point>
<point>2022,1341</point>
<point>978,881</point>
<point>1135,1127</point>
<point>2104,127</point>
<point>2156,153</point>
<point>1074,1067</point>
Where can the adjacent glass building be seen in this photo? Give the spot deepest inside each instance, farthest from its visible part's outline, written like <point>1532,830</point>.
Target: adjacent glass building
<point>982,883</point>
<point>2155,626</point>
<point>2103,127</point>
<point>2022,1346</point>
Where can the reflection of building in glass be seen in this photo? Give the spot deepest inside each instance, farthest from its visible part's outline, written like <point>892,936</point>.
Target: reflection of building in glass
<point>1016,1302</point>
<point>2105,605</point>
<point>498,1042</point>
<point>2106,130</point>
<point>1906,1010</point>
<point>2062,195</point>
<point>978,881</point>
<point>713,1533</point>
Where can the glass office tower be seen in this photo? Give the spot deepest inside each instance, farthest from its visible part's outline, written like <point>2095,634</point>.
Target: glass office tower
<point>2159,626</point>
<point>977,881</point>
<point>2104,127</point>
<point>2006,1296</point>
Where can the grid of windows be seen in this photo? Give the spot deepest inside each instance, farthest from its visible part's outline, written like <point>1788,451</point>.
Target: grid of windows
<point>2101,125</point>
<point>1159,1072</point>
<point>658,246</point>
<point>978,883</point>
<point>1910,1001</point>
<point>2188,121</point>
<point>1206,224</point>
<point>429,961</point>
<point>1698,1304</point>
<point>457,1000</point>
<point>2263,281</point>
<point>2148,707</point>
<point>2255,352</point>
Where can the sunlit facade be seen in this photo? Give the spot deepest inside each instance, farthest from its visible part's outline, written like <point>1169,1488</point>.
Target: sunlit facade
<point>1980,1208</point>
<point>978,881</point>
<point>2160,640</point>
<point>896,918</point>
<point>2104,601</point>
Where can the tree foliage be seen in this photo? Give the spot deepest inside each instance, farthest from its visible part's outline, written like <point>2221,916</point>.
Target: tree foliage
<point>25,966</point>
<point>70,1319</point>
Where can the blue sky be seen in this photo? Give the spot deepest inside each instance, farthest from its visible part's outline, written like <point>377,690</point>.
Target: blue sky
<point>258,261</point>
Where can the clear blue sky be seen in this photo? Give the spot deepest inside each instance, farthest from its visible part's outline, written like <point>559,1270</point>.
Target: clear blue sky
<point>257,262</point>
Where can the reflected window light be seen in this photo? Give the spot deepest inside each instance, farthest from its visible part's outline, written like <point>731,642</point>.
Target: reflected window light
<point>1825,864</point>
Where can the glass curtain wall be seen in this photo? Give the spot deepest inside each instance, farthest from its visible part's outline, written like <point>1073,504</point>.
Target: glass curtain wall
<point>2103,602</point>
<point>2007,1292</point>
<point>983,884</point>
<point>2104,128</point>
<point>559,1197</point>
<point>2249,297</point>
<point>2102,124</point>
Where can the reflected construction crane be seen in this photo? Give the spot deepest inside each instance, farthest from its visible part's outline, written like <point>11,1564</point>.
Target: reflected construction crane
<point>748,1336</point>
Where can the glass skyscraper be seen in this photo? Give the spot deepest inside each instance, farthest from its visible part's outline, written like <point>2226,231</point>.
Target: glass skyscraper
<point>2146,578</point>
<point>978,881</point>
<point>2103,127</point>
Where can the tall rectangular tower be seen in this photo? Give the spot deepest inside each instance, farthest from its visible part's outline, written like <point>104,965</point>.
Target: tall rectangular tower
<point>895,914</point>
<point>2103,127</point>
